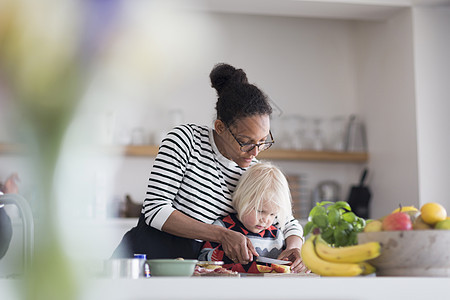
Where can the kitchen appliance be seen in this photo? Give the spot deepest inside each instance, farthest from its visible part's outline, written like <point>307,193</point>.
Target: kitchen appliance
<point>28,225</point>
<point>328,190</point>
<point>359,197</point>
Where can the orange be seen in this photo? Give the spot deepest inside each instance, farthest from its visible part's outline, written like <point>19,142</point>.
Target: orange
<point>432,213</point>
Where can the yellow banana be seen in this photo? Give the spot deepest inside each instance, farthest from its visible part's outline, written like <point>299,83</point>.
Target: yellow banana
<point>326,268</point>
<point>348,254</point>
<point>368,268</point>
<point>404,209</point>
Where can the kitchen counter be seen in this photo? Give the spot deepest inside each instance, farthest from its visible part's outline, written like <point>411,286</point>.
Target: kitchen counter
<point>320,288</point>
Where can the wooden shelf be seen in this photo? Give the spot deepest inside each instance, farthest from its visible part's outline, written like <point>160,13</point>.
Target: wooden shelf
<point>309,155</point>
<point>146,150</point>
<point>275,154</point>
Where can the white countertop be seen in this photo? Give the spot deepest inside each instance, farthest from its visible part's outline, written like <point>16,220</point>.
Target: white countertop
<point>261,288</point>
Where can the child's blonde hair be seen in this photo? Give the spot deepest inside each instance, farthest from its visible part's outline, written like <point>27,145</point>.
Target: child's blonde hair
<point>261,183</point>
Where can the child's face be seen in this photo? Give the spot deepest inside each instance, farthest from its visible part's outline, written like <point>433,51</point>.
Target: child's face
<point>258,220</point>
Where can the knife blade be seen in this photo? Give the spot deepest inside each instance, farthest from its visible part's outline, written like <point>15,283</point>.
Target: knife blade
<point>272,260</point>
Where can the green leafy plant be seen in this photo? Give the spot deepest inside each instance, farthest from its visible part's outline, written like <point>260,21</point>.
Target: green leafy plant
<point>335,222</point>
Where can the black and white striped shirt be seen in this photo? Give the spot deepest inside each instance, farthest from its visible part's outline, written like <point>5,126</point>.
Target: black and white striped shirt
<point>191,175</point>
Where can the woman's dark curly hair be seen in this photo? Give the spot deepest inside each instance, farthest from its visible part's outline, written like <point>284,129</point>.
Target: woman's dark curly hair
<point>237,98</point>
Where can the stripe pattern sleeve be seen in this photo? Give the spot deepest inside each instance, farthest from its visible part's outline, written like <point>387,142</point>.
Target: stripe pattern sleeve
<point>292,227</point>
<point>189,176</point>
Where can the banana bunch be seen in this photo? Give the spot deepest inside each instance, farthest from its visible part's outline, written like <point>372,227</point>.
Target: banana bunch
<point>324,260</point>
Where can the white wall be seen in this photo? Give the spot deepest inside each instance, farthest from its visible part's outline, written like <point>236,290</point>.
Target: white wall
<point>432,71</point>
<point>307,66</point>
<point>387,101</point>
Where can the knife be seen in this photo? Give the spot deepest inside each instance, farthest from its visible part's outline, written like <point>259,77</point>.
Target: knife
<point>272,260</point>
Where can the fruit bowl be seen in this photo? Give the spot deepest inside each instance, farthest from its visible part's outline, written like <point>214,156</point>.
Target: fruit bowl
<point>411,253</point>
<point>172,267</point>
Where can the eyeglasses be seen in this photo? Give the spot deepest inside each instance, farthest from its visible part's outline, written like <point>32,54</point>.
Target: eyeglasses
<point>247,147</point>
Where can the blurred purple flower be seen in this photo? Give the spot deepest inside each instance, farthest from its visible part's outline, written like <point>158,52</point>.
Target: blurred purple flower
<point>100,16</point>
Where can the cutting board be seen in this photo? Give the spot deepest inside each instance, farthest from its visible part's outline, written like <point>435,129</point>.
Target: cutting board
<point>279,275</point>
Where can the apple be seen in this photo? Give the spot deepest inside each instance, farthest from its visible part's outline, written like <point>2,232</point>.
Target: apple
<point>397,221</point>
<point>264,269</point>
<point>281,268</point>
<point>409,210</point>
<point>374,226</point>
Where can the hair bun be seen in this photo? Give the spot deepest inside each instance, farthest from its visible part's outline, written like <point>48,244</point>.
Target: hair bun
<point>223,75</point>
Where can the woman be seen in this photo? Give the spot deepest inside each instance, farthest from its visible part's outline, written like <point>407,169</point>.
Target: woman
<point>195,173</point>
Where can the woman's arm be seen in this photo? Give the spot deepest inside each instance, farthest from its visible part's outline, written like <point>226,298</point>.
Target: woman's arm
<point>235,244</point>
<point>212,251</point>
<point>178,152</point>
<point>167,173</point>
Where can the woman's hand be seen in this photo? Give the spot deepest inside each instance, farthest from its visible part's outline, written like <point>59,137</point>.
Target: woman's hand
<point>294,256</point>
<point>238,247</point>
<point>293,253</point>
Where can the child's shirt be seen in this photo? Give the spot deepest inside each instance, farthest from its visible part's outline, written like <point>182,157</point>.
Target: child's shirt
<point>267,243</point>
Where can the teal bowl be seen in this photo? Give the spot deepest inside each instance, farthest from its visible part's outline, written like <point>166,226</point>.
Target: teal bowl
<point>172,267</point>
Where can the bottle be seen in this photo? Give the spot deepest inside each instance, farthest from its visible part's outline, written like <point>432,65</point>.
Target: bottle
<point>144,266</point>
